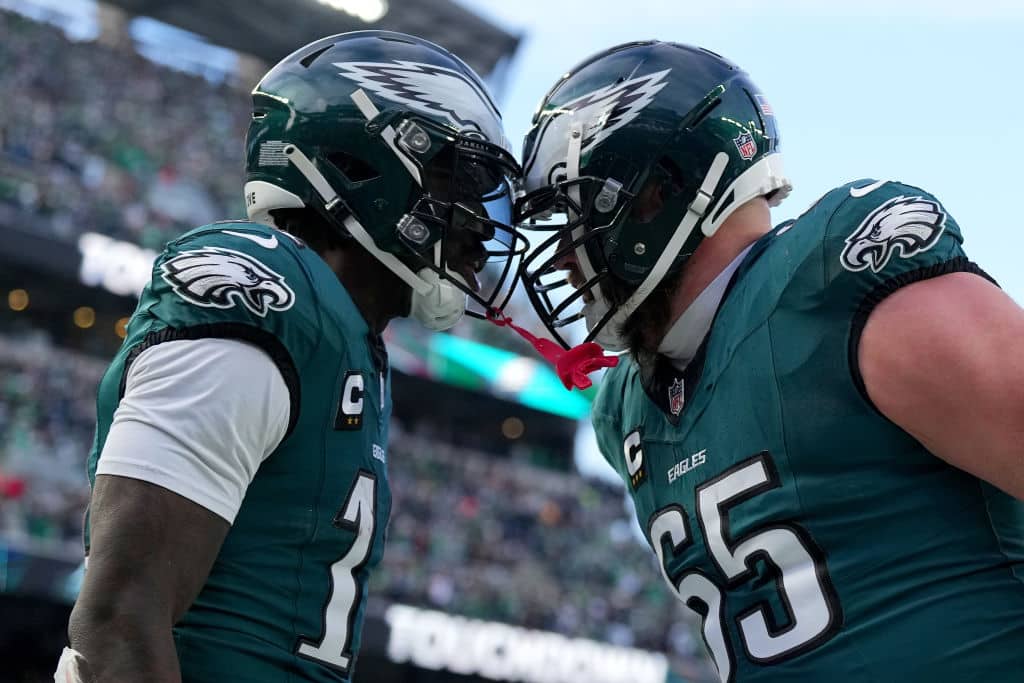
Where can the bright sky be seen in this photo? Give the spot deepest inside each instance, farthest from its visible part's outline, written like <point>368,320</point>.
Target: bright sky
<point>930,92</point>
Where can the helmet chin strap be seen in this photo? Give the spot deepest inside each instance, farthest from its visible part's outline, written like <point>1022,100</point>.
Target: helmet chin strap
<point>437,304</point>
<point>607,335</point>
<point>442,306</point>
<point>355,228</point>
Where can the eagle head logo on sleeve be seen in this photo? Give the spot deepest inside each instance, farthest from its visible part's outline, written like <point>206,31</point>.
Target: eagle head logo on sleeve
<point>908,225</point>
<point>215,277</point>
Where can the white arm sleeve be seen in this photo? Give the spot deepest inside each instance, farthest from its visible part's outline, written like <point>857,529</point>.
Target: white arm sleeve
<point>198,417</point>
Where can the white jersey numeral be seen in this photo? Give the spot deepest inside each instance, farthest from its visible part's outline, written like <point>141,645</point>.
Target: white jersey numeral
<point>334,647</point>
<point>693,589</point>
<point>805,590</point>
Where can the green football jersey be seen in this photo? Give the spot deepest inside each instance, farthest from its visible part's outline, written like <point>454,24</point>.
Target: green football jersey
<point>815,539</point>
<point>285,598</point>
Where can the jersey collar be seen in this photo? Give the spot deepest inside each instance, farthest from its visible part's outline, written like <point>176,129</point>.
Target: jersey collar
<point>667,376</point>
<point>688,331</point>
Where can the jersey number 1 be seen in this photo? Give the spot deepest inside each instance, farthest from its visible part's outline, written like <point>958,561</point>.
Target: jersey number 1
<point>335,647</point>
<point>811,609</point>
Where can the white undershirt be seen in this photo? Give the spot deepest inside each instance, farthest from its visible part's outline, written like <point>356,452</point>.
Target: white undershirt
<point>688,331</point>
<point>198,417</point>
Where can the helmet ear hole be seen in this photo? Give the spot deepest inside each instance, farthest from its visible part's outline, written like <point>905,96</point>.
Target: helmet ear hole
<point>353,168</point>
<point>665,183</point>
<point>677,180</point>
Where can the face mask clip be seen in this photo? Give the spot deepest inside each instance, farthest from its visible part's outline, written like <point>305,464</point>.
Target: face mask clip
<point>413,231</point>
<point>412,138</point>
<point>608,197</point>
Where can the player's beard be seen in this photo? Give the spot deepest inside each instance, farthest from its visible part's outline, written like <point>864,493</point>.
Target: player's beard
<point>646,327</point>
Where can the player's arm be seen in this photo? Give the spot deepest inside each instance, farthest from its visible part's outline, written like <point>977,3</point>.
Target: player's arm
<point>944,359</point>
<point>196,420</point>
<point>151,551</point>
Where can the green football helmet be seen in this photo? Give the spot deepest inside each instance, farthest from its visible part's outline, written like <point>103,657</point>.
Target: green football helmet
<point>634,157</point>
<point>397,144</point>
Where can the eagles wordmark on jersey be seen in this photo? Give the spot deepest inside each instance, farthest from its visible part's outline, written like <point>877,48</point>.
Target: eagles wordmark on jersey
<point>814,539</point>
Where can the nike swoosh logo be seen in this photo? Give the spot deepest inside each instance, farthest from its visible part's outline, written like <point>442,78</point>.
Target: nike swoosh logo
<point>867,189</point>
<point>265,242</point>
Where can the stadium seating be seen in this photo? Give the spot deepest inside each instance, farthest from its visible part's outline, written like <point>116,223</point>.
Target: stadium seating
<point>470,533</point>
<point>101,140</point>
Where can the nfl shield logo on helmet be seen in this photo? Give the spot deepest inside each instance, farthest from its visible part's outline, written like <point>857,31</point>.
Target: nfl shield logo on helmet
<point>746,146</point>
<point>675,397</point>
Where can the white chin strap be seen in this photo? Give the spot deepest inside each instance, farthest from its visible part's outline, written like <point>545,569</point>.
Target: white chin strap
<point>69,667</point>
<point>436,302</point>
<point>442,307</point>
<point>608,336</point>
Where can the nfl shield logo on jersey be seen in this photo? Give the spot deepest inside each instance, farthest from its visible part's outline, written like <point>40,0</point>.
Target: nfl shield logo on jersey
<point>746,146</point>
<point>675,397</point>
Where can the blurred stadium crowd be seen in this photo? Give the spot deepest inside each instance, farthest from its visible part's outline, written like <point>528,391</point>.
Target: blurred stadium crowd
<point>100,140</point>
<point>470,533</point>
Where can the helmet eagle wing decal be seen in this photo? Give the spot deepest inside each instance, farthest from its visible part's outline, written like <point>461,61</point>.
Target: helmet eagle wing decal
<point>602,111</point>
<point>432,90</point>
<point>607,109</point>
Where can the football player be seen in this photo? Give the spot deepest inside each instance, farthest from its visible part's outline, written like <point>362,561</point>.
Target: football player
<point>240,487</point>
<point>821,424</point>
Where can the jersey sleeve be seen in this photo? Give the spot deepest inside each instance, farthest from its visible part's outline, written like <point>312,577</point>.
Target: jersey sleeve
<point>197,418</point>
<point>882,236</point>
<point>237,281</point>
<point>886,235</point>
